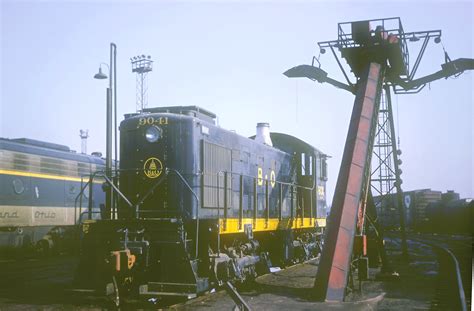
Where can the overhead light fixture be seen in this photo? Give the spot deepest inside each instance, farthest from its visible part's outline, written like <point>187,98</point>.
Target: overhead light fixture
<point>322,50</point>
<point>414,38</point>
<point>100,75</point>
<point>437,40</point>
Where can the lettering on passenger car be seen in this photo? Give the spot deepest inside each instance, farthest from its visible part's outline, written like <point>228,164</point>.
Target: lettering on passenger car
<point>9,214</point>
<point>45,215</point>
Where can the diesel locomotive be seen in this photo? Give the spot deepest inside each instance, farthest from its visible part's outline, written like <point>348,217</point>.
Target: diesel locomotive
<point>39,187</point>
<point>200,205</point>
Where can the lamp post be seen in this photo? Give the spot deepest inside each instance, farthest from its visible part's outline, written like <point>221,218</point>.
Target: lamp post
<point>111,95</point>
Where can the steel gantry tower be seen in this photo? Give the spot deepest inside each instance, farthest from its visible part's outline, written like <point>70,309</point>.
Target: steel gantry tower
<point>386,173</point>
<point>377,53</point>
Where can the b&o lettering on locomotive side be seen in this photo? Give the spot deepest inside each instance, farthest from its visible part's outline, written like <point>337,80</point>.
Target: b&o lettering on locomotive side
<point>272,178</point>
<point>321,192</point>
<point>261,178</point>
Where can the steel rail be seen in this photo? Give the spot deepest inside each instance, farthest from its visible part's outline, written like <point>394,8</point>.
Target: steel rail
<point>461,294</point>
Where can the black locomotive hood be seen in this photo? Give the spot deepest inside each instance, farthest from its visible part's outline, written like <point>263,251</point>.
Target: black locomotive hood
<point>190,111</point>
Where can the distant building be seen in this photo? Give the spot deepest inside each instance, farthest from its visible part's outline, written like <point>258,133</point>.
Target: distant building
<point>454,216</point>
<point>421,200</point>
<point>415,203</point>
<point>449,196</point>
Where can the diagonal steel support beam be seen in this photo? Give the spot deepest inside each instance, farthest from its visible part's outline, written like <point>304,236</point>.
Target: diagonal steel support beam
<point>315,74</point>
<point>333,271</point>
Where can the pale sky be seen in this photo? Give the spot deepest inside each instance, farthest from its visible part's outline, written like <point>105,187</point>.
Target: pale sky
<point>228,57</point>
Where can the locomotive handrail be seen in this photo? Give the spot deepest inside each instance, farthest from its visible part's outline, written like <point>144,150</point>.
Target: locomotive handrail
<point>313,187</point>
<point>109,181</point>
<point>276,181</point>
<point>292,185</point>
<point>168,170</point>
<point>144,197</point>
<point>117,190</point>
<point>150,191</point>
<point>281,183</point>
<point>183,180</point>
<point>156,185</point>
<point>79,196</point>
<point>218,211</point>
<point>289,184</point>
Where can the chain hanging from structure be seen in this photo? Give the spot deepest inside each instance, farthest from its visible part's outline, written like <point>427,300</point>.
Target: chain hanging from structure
<point>141,65</point>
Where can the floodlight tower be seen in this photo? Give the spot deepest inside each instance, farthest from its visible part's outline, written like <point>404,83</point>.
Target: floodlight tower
<point>142,65</point>
<point>377,53</point>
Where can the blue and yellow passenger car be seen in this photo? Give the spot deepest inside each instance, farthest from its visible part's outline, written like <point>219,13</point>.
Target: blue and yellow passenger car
<point>39,187</point>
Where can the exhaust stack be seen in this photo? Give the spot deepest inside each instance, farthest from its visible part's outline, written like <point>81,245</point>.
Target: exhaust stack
<point>263,134</point>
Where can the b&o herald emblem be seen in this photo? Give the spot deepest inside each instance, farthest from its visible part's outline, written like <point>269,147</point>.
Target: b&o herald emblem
<point>153,168</point>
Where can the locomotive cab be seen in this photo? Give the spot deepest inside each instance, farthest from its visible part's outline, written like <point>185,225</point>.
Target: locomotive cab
<point>159,148</point>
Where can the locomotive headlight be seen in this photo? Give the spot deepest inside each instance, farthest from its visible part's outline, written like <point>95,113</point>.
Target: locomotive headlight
<point>153,134</point>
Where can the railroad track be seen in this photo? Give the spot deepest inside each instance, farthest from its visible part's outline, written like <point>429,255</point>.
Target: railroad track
<point>43,282</point>
<point>454,254</point>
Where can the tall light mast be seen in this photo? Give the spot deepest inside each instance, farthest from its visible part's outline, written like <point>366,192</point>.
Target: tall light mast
<point>141,65</point>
